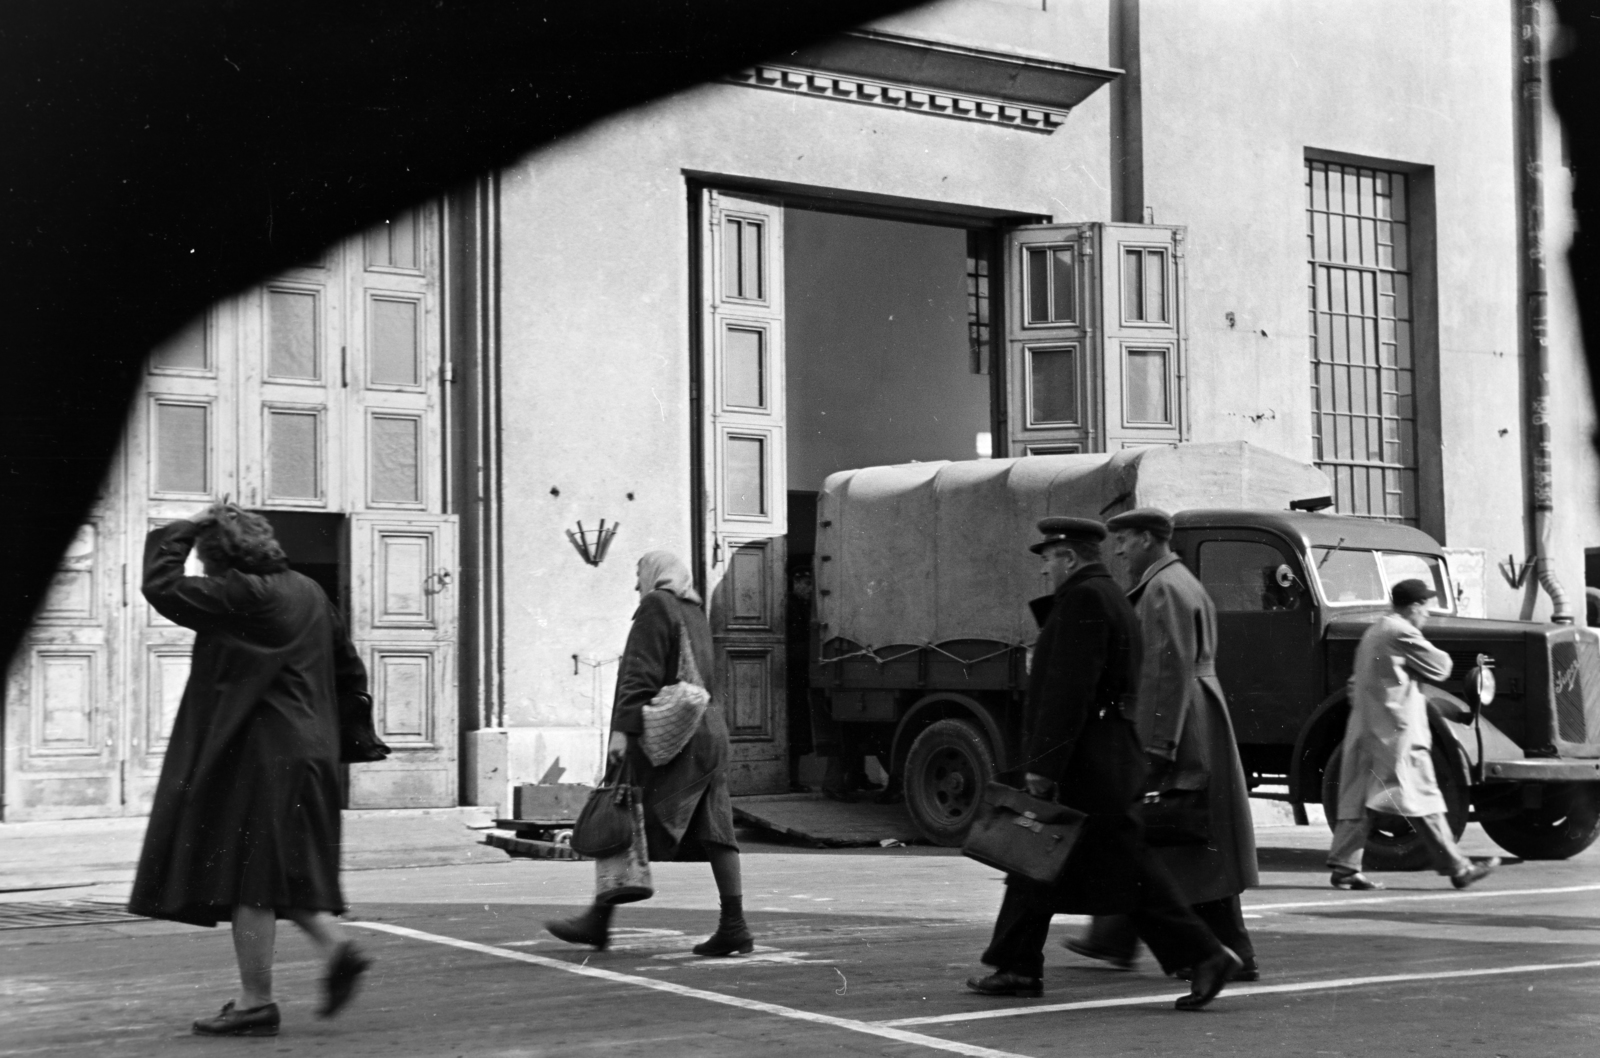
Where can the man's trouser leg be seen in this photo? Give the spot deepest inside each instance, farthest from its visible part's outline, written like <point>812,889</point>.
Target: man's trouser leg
<point>1019,931</point>
<point>1175,934</point>
<point>1349,842</point>
<point>1435,831</point>
<point>1113,937</point>
<point>1225,919</point>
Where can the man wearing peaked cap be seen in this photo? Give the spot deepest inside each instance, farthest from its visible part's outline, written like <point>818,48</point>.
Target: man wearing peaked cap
<point>1079,746</point>
<point>1060,529</point>
<point>1187,734</point>
<point>1152,520</point>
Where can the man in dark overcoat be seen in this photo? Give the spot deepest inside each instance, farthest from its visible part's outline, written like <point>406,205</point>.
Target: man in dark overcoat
<point>1187,734</point>
<point>1079,743</point>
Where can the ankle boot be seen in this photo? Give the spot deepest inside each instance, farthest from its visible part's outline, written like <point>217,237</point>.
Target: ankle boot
<point>593,927</point>
<point>732,935</point>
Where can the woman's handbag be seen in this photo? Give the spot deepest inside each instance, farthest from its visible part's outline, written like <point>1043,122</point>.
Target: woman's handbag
<point>624,876</point>
<point>358,738</point>
<point>675,712</point>
<point>605,825</point>
<point>1023,834</point>
<point>1176,817</point>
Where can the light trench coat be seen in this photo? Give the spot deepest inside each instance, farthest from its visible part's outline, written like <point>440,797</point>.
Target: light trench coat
<point>1387,765</point>
<point>1183,716</point>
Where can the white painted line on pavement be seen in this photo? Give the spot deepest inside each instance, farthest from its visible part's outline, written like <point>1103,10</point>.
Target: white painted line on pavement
<point>884,1030</point>
<point>1447,894</point>
<point>1238,993</point>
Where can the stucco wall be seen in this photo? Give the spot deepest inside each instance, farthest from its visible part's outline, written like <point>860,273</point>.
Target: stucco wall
<point>595,311</point>
<point>1234,94</point>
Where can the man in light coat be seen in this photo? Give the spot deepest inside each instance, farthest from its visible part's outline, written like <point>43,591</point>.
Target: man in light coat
<point>1388,763</point>
<point>1187,736</point>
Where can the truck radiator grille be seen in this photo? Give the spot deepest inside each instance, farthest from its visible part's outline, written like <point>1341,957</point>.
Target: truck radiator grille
<point>1575,671</point>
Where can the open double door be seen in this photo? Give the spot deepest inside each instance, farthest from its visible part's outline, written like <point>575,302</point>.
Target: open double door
<point>1090,354</point>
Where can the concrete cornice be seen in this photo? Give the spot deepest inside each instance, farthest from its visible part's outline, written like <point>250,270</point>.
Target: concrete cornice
<point>930,77</point>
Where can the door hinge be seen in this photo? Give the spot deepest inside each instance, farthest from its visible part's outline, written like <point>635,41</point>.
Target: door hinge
<point>716,552</point>
<point>124,584</point>
<point>449,371</point>
<point>122,781</point>
<point>344,367</point>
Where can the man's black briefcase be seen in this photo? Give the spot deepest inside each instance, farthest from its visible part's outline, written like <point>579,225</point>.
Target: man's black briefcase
<point>1022,834</point>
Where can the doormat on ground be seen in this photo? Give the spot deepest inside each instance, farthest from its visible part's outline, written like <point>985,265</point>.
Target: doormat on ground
<point>32,915</point>
<point>813,819</point>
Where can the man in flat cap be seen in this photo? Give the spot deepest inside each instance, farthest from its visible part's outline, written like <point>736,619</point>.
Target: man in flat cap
<point>1187,735</point>
<point>1080,745</point>
<point>1387,765</point>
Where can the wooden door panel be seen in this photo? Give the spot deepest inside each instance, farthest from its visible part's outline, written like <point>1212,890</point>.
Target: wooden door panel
<point>62,721</point>
<point>744,477</point>
<point>403,623</point>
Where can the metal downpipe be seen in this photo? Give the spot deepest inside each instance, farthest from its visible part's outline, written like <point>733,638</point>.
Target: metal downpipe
<point>1535,345</point>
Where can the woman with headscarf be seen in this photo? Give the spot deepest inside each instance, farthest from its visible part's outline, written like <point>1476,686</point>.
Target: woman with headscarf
<point>244,827</point>
<point>687,811</point>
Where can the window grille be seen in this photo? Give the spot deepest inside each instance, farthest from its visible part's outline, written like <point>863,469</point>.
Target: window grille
<point>1364,430</point>
<point>978,318</point>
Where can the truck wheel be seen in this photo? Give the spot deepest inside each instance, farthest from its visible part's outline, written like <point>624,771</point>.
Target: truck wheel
<point>1392,844</point>
<point>946,770</point>
<point>1564,825</point>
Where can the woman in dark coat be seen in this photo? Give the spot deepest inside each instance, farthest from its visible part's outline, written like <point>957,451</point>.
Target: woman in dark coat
<point>688,814</point>
<point>245,823</point>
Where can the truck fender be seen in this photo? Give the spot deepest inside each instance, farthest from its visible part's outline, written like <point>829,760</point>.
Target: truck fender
<point>938,706</point>
<point>1324,727</point>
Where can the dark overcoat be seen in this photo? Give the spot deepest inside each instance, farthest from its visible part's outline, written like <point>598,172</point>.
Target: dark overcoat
<point>247,807</point>
<point>1182,715</point>
<point>686,801</point>
<point>1077,731</point>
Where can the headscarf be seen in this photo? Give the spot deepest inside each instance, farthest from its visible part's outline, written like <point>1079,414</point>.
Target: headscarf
<point>663,569</point>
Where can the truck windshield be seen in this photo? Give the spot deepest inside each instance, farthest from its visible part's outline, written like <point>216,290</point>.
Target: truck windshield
<point>1350,577</point>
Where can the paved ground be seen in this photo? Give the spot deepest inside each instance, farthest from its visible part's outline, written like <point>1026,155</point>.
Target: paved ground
<point>861,952</point>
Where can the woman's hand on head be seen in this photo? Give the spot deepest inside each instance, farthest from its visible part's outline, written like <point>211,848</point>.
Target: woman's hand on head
<point>618,747</point>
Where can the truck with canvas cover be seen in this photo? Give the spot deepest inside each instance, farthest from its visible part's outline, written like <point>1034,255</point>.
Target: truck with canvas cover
<point>922,631</point>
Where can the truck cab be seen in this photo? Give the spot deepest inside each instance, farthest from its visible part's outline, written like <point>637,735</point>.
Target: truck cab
<point>1294,593</point>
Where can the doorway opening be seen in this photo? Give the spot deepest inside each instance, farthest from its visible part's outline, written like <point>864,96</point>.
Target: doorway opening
<point>888,333</point>
<point>315,545</point>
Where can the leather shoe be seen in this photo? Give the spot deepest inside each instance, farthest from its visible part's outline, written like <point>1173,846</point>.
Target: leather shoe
<point>1115,961</point>
<point>1352,880</point>
<point>1007,984</point>
<point>731,938</point>
<point>344,972</point>
<point>1210,977</point>
<point>593,928</point>
<point>1476,873</point>
<point>257,1021</point>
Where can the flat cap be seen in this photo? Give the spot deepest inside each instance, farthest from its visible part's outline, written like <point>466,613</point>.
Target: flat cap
<point>1057,530</point>
<point>1410,591</point>
<point>1152,520</point>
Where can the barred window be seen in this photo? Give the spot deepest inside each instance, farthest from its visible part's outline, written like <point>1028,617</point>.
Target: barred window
<point>1364,430</point>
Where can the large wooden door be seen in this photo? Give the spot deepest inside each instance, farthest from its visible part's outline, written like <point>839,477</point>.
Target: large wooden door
<point>744,477</point>
<point>65,751</point>
<point>1141,284</point>
<point>403,622</point>
<point>1050,320</point>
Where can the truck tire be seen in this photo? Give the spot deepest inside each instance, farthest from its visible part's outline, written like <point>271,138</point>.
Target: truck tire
<point>1393,845</point>
<point>1564,825</point>
<point>946,770</point>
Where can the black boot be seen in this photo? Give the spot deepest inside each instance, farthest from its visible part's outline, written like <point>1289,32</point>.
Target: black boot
<point>593,927</point>
<point>732,935</point>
